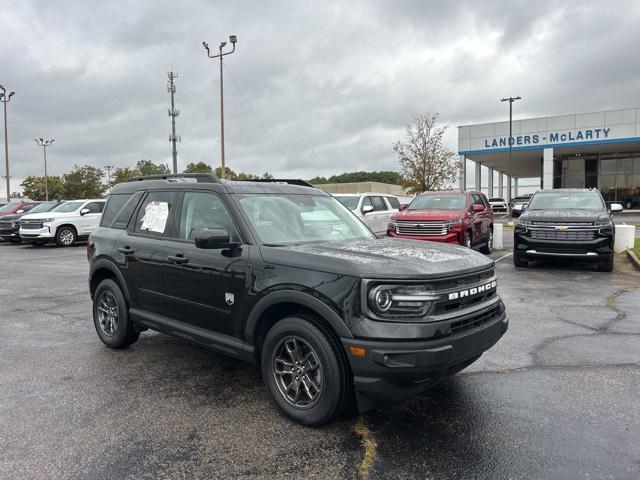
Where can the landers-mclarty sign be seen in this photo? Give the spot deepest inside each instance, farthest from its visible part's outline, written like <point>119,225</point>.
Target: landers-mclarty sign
<point>588,135</point>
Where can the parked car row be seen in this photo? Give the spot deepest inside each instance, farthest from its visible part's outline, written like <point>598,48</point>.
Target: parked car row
<point>62,222</point>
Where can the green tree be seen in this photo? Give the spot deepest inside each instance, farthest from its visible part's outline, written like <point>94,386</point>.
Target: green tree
<point>84,182</point>
<point>426,162</point>
<point>147,167</point>
<point>34,187</point>
<point>393,178</point>
<point>122,174</point>
<point>229,174</point>
<point>199,167</point>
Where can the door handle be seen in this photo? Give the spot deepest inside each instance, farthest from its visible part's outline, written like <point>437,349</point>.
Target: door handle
<point>178,258</point>
<point>126,250</point>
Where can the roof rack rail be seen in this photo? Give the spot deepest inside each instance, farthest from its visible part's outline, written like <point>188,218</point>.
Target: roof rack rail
<point>290,181</point>
<point>200,177</point>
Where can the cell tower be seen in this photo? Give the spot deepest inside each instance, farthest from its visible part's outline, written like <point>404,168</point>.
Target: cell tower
<point>173,113</point>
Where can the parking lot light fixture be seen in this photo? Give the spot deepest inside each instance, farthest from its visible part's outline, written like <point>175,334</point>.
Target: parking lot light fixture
<point>233,39</point>
<point>44,144</point>
<point>510,141</point>
<point>5,98</point>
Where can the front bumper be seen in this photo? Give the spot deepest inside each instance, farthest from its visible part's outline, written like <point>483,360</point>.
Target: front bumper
<point>591,250</point>
<point>392,371</point>
<point>451,237</point>
<point>8,234</point>
<point>33,234</point>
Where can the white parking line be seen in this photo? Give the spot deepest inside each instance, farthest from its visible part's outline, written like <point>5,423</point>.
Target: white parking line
<point>505,256</point>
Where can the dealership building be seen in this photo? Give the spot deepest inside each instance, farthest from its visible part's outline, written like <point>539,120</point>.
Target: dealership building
<point>586,150</point>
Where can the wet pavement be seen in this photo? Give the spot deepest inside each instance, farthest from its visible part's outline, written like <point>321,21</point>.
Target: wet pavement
<point>557,397</point>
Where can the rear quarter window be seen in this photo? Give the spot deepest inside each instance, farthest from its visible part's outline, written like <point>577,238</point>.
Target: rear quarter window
<point>119,209</point>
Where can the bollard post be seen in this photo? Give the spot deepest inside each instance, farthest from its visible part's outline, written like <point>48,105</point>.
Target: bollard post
<point>498,243</point>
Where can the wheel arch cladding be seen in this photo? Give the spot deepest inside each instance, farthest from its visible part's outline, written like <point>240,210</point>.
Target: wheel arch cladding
<point>282,304</point>
<point>103,269</point>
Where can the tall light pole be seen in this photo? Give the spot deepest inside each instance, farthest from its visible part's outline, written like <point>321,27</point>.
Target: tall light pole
<point>233,39</point>
<point>108,168</point>
<point>4,98</point>
<point>510,100</point>
<point>44,144</point>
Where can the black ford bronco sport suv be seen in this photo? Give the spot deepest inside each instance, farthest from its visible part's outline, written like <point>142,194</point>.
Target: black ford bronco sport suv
<point>286,277</point>
<point>571,223</point>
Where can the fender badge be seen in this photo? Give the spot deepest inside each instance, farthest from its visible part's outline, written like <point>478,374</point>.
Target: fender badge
<point>229,298</point>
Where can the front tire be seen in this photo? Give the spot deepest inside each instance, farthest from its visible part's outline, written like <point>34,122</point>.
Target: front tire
<point>607,265</point>
<point>304,372</point>
<point>520,262</point>
<point>66,236</point>
<point>468,240</point>
<point>111,316</point>
<point>488,247</point>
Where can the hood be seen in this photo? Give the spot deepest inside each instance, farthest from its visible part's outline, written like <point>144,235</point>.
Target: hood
<point>430,214</point>
<point>565,215</point>
<point>36,216</point>
<point>380,258</point>
<point>12,217</point>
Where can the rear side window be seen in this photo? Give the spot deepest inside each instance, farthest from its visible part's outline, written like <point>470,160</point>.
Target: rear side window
<point>152,218</point>
<point>394,202</point>
<point>94,207</point>
<point>117,208</point>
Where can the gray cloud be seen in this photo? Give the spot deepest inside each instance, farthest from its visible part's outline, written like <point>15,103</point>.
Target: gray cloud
<point>322,87</point>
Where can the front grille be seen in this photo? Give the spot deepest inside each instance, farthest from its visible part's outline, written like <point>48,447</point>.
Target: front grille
<point>563,232</point>
<point>444,306</point>
<point>476,320</point>
<point>426,228</point>
<point>5,225</point>
<point>31,224</point>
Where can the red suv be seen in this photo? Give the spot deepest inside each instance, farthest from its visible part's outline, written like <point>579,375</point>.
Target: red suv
<point>465,218</point>
<point>17,206</point>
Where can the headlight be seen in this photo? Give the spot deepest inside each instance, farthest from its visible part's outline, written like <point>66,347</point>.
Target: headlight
<point>453,223</point>
<point>47,220</point>
<point>525,222</point>
<point>15,224</point>
<point>399,301</point>
<point>602,223</point>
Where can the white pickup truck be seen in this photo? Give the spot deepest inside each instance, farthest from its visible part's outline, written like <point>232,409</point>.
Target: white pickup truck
<point>65,224</point>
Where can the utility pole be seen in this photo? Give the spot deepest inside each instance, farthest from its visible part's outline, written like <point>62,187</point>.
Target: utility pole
<point>44,144</point>
<point>108,168</point>
<point>510,100</point>
<point>4,98</point>
<point>233,39</point>
<point>173,113</point>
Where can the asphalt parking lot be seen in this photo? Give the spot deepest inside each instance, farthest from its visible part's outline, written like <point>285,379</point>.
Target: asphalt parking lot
<point>557,397</point>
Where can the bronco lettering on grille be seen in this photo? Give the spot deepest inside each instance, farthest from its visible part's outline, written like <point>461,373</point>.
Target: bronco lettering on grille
<point>472,291</point>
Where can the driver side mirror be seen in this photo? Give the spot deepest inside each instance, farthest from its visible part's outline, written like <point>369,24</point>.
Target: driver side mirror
<point>84,211</point>
<point>367,209</point>
<point>615,207</point>
<point>212,239</point>
<point>477,208</point>
<point>20,211</point>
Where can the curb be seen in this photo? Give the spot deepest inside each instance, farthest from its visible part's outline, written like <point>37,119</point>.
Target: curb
<point>634,258</point>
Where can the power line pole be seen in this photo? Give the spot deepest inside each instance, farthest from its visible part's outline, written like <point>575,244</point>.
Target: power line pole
<point>233,39</point>
<point>108,168</point>
<point>510,100</point>
<point>4,98</point>
<point>173,113</point>
<point>44,144</point>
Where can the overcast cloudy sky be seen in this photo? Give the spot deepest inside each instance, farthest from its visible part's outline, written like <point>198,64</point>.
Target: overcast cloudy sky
<point>322,87</point>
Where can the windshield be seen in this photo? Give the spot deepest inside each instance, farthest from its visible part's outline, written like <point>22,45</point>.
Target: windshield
<point>43,207</point>
<point>573,200</point>
<point>439,202</point>
<point>68,207</point>
<point>351,201</point>
<point>9,206</point>
<point>284,219</point>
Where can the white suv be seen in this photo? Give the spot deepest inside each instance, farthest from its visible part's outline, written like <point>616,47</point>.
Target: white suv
<point>65,224</point>
<point>374,209</point>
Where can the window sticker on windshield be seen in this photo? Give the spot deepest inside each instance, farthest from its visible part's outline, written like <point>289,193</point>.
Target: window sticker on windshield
<point>155,217</point>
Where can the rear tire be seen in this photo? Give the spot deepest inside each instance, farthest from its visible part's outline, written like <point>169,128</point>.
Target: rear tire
<point>111,316</point>
<point>66,236</point>
<point>304,372</point>
<point>607,265</point>
<point>520,262</point>
<point>628,205</point>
